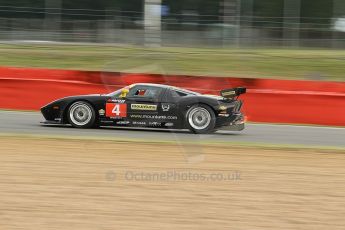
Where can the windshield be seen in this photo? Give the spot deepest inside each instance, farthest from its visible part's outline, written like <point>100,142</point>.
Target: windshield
<point>118,92</point>
<point>115,93</point>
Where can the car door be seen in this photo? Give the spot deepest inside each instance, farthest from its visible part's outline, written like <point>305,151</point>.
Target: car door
<point>170,109</point>
<point>143,105</point>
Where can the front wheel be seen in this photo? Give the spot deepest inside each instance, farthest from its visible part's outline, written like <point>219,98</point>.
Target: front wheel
<point>200,119</point>
<point>81,115</point>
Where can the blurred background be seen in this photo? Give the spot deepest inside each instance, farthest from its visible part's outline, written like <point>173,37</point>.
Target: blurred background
<point>280,39</point>
<point>290,56</point>
<point>211,23</point>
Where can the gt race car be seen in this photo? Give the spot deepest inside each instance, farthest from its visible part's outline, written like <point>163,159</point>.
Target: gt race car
<point>153,106</point>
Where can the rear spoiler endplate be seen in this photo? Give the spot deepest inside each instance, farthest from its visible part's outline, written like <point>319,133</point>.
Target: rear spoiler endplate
<point>234,92</point>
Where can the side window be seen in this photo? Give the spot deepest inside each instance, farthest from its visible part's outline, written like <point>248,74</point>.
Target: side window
<point>178,94</point>
<point>145,91</point>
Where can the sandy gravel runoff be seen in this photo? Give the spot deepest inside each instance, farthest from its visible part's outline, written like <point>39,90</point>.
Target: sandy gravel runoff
<point>81,184</point>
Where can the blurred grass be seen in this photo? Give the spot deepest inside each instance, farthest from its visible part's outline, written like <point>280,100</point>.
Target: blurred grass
<point>257,63</point>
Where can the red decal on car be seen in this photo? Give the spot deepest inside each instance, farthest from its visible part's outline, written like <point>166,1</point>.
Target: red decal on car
<point>116,110</point>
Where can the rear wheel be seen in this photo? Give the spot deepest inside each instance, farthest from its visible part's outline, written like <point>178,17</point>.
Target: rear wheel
<point>81,115</point>
<point>200,119</point>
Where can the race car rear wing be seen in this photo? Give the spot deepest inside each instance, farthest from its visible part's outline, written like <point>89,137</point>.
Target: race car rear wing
<point>232,93</point>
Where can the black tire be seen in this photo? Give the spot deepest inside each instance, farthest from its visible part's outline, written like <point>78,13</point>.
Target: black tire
<point>200,119</point>
<point>81,114</point>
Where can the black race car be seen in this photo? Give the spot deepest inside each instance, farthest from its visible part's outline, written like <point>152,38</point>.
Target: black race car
<point>151,105</point>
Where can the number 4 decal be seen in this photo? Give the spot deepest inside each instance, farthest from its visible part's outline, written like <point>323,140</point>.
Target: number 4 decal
<point>116,110</point>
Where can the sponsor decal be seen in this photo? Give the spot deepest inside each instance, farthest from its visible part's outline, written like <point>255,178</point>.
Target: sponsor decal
<point>139,123</point>
<point>224,115</point>
<point>154,117</point>
<point>120,101</point>
<point>169,124</point>
<point>101,112</point>
<point>155,123</point>
<point>165,107</point>
<point>229,93</point>
<point>114,110</point>
<point>144,107</point>
<point>122,122</point>
<point>222,107</point>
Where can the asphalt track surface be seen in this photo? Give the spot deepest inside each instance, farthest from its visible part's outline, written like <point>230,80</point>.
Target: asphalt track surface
<point>28,123</point>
